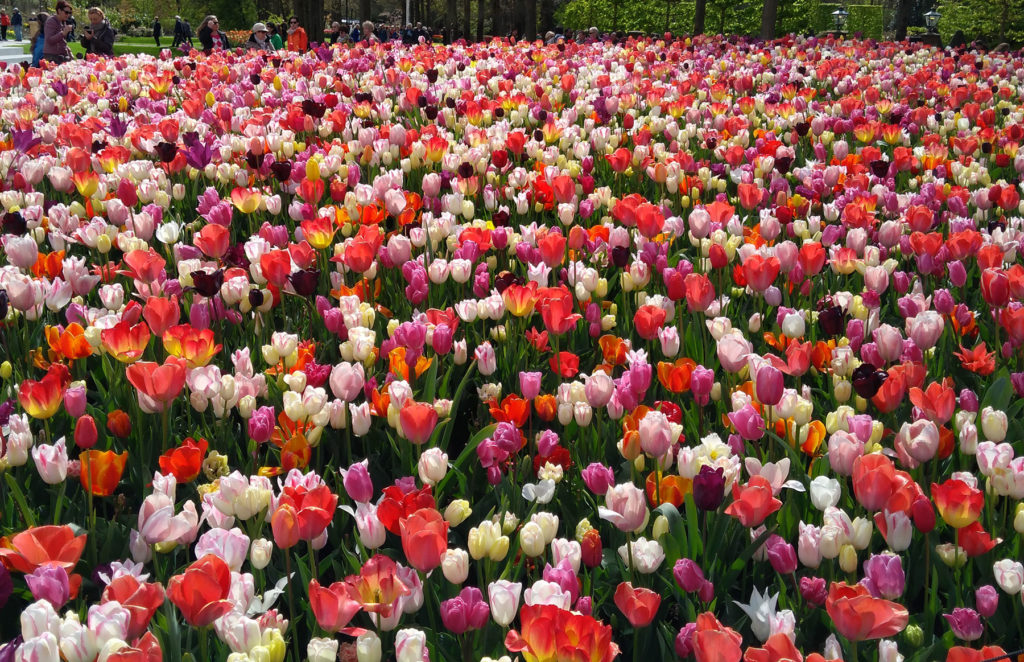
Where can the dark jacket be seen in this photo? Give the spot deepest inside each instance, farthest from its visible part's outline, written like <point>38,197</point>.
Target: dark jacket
<point>206,39</point>
<point>16,18</point>
<point>254,45</point>
<point>55,45</point>
<point>102,41</point>
<point>158,29</point>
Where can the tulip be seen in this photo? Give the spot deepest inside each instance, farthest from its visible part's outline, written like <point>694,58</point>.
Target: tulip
<point>625,507</point>
<point>50,583</point>
<point>883,576</point>
<point>1009,575</point>
<point>709,488</point>
<point>368,647</point>
<point>655,433</point>
<point>321,649</point>
<point>158,385</point>
<point>51,462</point>
<point>639,605</point>
<point>455,565</point>
<point>201,592</point>
<point>411,646</point>
<point>753,502</point>
<point>357,482</point>
<point>332,606</point>
<point>965,623</point>
<point>467,611</point>
<point>814,590</point>
<point>987,600</point>
<point>598,478</point>
<point>101,471</point>
<point>748,423</point>
<point>859,617</point>
<point>424,538</point>
<point>958,503</point>
<point>141,599</point>
<point>432,466</point>
<point>574,636</point>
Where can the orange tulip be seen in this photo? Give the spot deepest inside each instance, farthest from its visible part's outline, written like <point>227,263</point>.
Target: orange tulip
<point>552,634</point>
<point>41,399</point>
<point>778,648</point>
<point>713,642</point>
<point>285,525</point>
<point>937,401</point>
<point>101,470</point>
<point>68,342</point>
<point>978,360</point>
<point>424,538</point>
<point>546,406</point>
<point>670,489</point>
<point>512,409</point>
<point>675,377</point>
<point>964,654</point>
<point>860,617</point>
<point>161,314</point>
<point>195,346</point>
<point>958,503</point>
<point>125,341</point>
<point>119,424</point>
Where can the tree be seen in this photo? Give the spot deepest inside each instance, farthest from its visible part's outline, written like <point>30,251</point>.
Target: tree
<point>479,20</point>
<point>904,8</point>
<point>311,17</point>
<point>700,11</point>
<point>769,13</point>
<point>451,19</point>
<point>530,16</point>
<point>365,12</point>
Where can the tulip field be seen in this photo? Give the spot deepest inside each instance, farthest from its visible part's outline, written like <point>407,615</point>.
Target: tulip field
<point>661,349</point>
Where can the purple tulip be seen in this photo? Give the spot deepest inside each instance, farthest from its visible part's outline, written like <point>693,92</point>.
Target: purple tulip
<point>50,583</point>
<point>768,385</point>
<point>965,623</point>
<point>814,590</point>
<point>986,598</point>
<point>709,488</point>
<point>684,640</point>
<point>748,422</point>
<point>467,611</point>
<point>529,384</point>
<point>6,585</point>
<point>781,555</point>
<point>565,577</point>
<point>357,482</point>
<point>701,382</point>
<point>261,424</point>
<point>598,478</point>
<point>884,576</point>
<point>689,576</point>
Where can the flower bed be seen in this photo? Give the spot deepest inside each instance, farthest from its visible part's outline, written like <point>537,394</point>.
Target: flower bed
<point>565,352</point>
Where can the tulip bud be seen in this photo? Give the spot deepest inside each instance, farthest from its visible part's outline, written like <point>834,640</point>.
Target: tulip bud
<point>455,565</point>
<point>86,434</point>
<point>260,552</point>
<point>914,636</point>
<point>410,645</point>
<point>1018,519</point>
<point>322,649</point>
<point>368,647</point>
<point>848,558</point>
<point>952,555</point>
<point>432,466</point>
<point>531,539</point>
<point>994,424</point>
<point>457,512</point>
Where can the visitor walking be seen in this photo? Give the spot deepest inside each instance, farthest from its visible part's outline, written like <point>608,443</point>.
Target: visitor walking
<point>98,36</point>
<point>5,22</point>
<point>56,32</point>
<point>158,30</point>
<point>179,32</point>
<point>297,39</point>
<point>16,23</point>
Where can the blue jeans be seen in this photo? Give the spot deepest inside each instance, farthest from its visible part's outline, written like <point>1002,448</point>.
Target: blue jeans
<point>17,32</point>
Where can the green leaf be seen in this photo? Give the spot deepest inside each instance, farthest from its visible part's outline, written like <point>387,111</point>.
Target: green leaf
<point>468,452</point>
<point>674,542</point>
<point>999,393</point>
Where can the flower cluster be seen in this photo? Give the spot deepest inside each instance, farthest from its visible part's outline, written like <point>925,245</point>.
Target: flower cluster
<point>511,350</point>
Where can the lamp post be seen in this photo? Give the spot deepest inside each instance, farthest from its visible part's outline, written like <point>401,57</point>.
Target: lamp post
<point>839,17</point>
<point>931,21</point>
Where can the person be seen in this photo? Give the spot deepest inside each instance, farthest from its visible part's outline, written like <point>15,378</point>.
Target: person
<point>367,32</point>
<point>297,39</point>
<point>275,37</point>
<point>5,22</point>
<point>158,30</point>
<point>98,36</point>
<point>179,32</point>
<point>188,33</point>
<point>210,35</point>
<point>16,23</point>
<point>37,39</point>
<point>259,40</point>
<point>336,32</point>
<point>74,26</point>
<point>55,34</point>
<point>354,35</point>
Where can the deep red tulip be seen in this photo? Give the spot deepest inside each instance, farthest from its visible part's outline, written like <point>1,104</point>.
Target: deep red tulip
<point>141,599</point>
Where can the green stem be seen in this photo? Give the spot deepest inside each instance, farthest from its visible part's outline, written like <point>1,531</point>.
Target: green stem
<point>291,601</point>
<point>19,498</point>
<point>60,502</point>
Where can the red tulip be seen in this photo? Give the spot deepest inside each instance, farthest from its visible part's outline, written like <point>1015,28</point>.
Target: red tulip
<point>196,346</point>
<point>811,258</point>
<point>41,399</point>
<point>713,642</point>
<point>185,461</point>
<point>874,478</point>
<point>700,292</point>
<point>396,504</point>
<point>313,511</point>
<point>564,188</point>
<point>760,272</point>
<point>619,160</point>
<point>556,309</point>
<point>332,606</point>
<point>125,341</point>
<point>418,420</point>
<point>860,617</point>
<point>42,545</point>
<point>552,249</point>
<point>424,538</point>
<point>995,287</point>
<point>565,364</point>
<point>753,502</point>
<point>648,320</point>
<point>749,195</point>
<point>158,385</point>
<point>285,525</point>
<point>778,648</point>
<point>141,599</point>
<point>146,264</point>
<point>649,220</point>
<point>161,314</point>
<point>119,424</point>
<point>639,605</point>
<point>549,633</point>
<point>201,593</point>
<point>213,240</point>
<point>276,265</point>
<point>964,654</point>
<point>937,402</point>
<point>86,434</point>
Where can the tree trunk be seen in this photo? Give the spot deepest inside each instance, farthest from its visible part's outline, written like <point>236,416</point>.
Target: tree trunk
<point>615,15</point>
<point>547,15</point>
<point>904,8</point>
<point>311,17</point>
<point>530,29</point>
<point>479,20</point>
<point>700,11</point>
<point>466,11</point>
<point>668,13</point>
<point>769,13</point>
<point>497,29</point>
<point>451,19</point>
<point>365,10</point>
